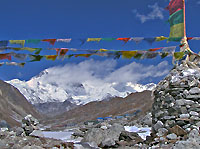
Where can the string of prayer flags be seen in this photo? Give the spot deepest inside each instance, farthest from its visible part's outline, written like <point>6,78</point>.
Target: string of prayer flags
<point>51,41</point>
<point>19,42</point>
<point>176,19</point>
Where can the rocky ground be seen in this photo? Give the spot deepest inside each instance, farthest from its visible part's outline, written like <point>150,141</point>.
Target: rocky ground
<point>105,134</point>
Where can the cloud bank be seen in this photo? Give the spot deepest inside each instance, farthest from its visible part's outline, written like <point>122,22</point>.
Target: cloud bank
<point>100,72</point>
<point>156,13</point>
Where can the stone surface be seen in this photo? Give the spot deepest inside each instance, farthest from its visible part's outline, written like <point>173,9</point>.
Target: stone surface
<point>178,131</point>
<point>158,125</point>
<point>171,136</point>
<point>184,116</point>
<point>162,132</point>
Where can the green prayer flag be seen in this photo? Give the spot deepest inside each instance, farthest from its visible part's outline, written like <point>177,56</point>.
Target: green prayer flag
<point>35,41</point>
<point>179,55</point>
<point>176,18</point>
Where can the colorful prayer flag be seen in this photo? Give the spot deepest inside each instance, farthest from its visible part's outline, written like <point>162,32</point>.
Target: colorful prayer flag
<point>19,42</point>
<point>94,39</point>
<point>51,41</point>
<point>174,6</point>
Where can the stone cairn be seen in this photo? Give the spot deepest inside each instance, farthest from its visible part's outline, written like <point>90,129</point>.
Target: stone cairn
<point>176,107</point>
<point>29,124</point>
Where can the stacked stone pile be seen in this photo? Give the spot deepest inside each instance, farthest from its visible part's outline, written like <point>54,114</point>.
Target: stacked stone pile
<point>29,124</point>
<point>176,108</point>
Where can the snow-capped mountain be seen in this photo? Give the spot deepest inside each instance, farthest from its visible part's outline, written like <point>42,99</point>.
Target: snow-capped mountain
<point>40,89</point>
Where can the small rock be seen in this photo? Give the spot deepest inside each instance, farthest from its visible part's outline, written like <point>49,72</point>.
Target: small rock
<point>158,125</point>
<point>19,131</point>
<point>162,132</point>
<point>178,131</point>
<point>37,133</point>
<point>193,113</point>
<point>171,136</point>
<point>195,118</point>
<point>194,90</point>
<point>186,145</point>
<point>194,133</point>
<point>184,116</point>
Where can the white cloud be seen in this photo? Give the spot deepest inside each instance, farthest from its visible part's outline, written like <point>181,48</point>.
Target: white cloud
<point>103,72</point>
<point>156,13</point>
<point>198,2</point>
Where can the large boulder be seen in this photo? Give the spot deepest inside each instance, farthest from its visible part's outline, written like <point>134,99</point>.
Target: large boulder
<point>104,137</point>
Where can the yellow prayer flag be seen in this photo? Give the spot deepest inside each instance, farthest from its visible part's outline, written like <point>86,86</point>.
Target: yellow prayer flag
<point>161,38</point>
<point>51,57</point>
<point>94,39</point>
<point>177,30</point>
<point>103,50</point>
<point>20,42</point>
<point>128,54</point>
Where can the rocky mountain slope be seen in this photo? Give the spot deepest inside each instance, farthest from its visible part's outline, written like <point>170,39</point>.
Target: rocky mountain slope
<point>114,107</point>
<point>13,105</point>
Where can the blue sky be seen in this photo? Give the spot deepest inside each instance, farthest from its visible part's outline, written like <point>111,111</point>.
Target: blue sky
<point>40,19</point>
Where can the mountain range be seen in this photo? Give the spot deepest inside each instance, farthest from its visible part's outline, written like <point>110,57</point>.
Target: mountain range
<point>37,90</point>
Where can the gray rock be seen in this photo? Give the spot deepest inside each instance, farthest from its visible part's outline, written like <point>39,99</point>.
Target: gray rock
<point>32,147</point>
<point>180,102</point>
<point>162,132</point>
<point>186,145</point>
<point>184,116</point>
<point>196,118</point>
<point>193,97</point>
<point>194,133</point>
<point>37,133</point>
<point>4,124</point>
<point>171,136</point>
<point>99,135</point>
<point>194,90</point>
<point>19,131</point>
<point>158,125</point>
<point>107,143</point>
<point>2,144</point>
<point>169,117</point>
<point>193,113</point>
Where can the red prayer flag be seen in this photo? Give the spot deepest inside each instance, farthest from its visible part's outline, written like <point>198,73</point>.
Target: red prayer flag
<point>124,39</point>
<point>189,38</point>
<point>63,51</point>
<point>154,49</point>
<point>5,56</point>
<point>174,5</point>
<point>51,41</point>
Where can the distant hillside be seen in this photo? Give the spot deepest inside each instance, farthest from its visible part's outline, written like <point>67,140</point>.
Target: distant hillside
<point>114,107</point>
<point>13,105</point>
